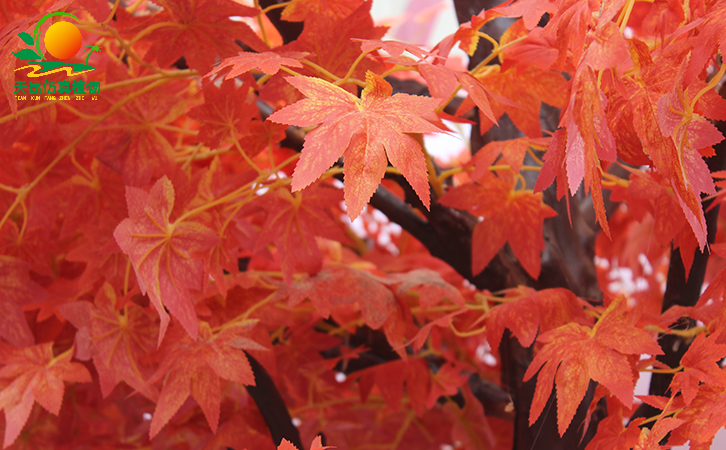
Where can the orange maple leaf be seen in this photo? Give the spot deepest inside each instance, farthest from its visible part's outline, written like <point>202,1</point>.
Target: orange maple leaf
<point>509,215</point>
<point>531,312</point>
<point>527,88</point>
<point>364,131</point>
<point>162,252</point>
<point>33,374</point>
<point>589,139</point>
<point>701,365</point>
<point>317,444</point>
<point>574,354</point>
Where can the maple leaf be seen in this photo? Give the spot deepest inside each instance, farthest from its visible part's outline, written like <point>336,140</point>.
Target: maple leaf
<point>199,30</point>
<point>574,354</point>
<point>470,426</point>
<point>135,141</point>
<point>417,377</point>
<point>299,10</point>
<point>512,151</point>
<point>682,166</point>
<point>442,81</point>
<point>265,62</point>
<point>393,48</point>
<point>530,87</point>
<point>33,374</point>
<point>317,443</point>
<point>690,132</point>
<point>194,367</point>
<point>509,216</point>
<point>16,289</point>
<point>530,313</point>
<point>293,221</point>
<point>118,337</point>
<point>649,439</point>
<point>468,33</point>
<point>427,285</point>
<point>162,252</point>
<point>89,198</point>
<point>611,434</point>
<point>700,364</point>
<point>711,35</point>
<point>589,139</point>
<point>607,47</point>
<point>226,111</point>
<point>534,48</point>
<point>336,52</point>
<point>531,11</point>
<point>364,131</point>
<point>341,286</point>
<point>554,166</point>
<point>478,95</point>
<point>646,192</point>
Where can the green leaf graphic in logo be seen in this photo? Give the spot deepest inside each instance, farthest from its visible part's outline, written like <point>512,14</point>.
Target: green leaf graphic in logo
<point>27,54</point>
<point>28,39</point>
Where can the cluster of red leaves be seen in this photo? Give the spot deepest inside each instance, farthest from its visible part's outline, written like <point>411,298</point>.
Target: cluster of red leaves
<point>124,306</point>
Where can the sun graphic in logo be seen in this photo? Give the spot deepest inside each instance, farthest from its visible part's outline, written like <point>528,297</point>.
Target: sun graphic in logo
<point>63,40</point>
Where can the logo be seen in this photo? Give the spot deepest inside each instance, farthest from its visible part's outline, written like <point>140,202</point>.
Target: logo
<point>63,41</point>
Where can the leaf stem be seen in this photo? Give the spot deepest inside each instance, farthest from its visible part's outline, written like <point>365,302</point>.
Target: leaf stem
<point>466,333</point>
<point>271,7</point>
<point>353,67</point>
<point>711,84</point>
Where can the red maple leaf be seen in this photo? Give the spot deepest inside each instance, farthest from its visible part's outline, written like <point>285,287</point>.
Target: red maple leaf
<point>135,141</point>
<point>299,10</point>
<point>199,30</point>
<point>226,112</point>
<point>16,289</point>
<point>266,62</point>
<point>336,52</point>
<point>531,11</point>
<point>710,37</point>
<point>574,354</point>
<point>509,216</point>
<point>163,252</point>
<point>364,131</point>
<point>342,286</point>
<point>194,367</point>
<point>512,151</point>
<point>33,374</point>
<point>293,221</point>
<point>118,338</point>
<point>393,48</point>
<point>427,285</point>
